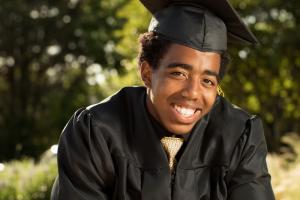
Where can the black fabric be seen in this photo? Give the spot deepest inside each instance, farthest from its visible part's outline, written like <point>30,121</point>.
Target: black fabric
<point>191,26</point>
<point>237,31</point>
<point>111,151</point>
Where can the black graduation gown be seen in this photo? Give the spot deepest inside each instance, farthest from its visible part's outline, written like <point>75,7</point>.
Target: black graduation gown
<point>111,151</point>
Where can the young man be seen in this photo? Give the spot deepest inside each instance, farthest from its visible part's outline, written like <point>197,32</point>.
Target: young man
<point>175,138</point>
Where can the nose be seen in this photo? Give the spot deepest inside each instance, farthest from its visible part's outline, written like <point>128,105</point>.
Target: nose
<point>192,89</point>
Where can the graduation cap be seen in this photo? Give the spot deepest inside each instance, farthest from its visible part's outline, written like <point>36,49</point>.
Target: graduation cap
<point>204,25</point>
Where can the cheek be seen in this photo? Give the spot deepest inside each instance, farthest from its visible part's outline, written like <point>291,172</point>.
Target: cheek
<point>160,96</point>
<point>209,99</point>
<point>162,87</point>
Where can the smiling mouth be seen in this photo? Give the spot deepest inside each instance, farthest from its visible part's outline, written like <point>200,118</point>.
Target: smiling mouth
<point>185,111</point>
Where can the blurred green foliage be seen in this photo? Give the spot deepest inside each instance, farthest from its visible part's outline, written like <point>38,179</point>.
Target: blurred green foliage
<point>264,80</point>
<point>57,56</point>
<point>27,179</point>
<point>285,169</point>
<point>50,53</point>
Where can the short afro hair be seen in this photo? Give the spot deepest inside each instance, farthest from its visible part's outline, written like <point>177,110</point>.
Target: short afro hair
<point>153,48</point>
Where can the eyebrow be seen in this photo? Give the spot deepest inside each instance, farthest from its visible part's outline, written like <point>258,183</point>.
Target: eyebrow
<point>182,65</point>
<point>212,73</point>
<point>189,67</point>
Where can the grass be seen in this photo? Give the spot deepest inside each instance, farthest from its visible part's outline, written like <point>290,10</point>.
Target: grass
<point>285,170</point>
<point>27,180</point>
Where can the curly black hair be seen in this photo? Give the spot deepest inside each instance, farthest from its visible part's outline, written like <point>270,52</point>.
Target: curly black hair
<point>153,48</point>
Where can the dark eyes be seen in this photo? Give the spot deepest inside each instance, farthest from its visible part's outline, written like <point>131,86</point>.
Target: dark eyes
<point>208,82</point>
<point>178,74</point>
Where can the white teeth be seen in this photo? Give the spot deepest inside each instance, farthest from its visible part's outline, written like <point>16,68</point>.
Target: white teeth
<point>187,112</point>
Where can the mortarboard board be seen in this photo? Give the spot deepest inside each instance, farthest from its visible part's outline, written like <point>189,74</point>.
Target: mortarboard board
<point>204,25</point>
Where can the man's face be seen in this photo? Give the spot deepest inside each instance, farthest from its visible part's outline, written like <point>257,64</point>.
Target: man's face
<point>182,88</point>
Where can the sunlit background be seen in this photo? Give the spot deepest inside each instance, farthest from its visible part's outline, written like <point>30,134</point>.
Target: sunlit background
<point>57,56</point>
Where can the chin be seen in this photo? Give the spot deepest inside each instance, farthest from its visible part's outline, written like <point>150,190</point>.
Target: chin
<point>181,129</point>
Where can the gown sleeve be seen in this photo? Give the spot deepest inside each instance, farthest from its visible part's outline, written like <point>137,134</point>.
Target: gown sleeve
<point>85,166</point>
<point>250,179</point>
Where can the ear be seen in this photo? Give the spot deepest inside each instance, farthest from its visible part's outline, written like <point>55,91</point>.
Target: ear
<point>146,73</point>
